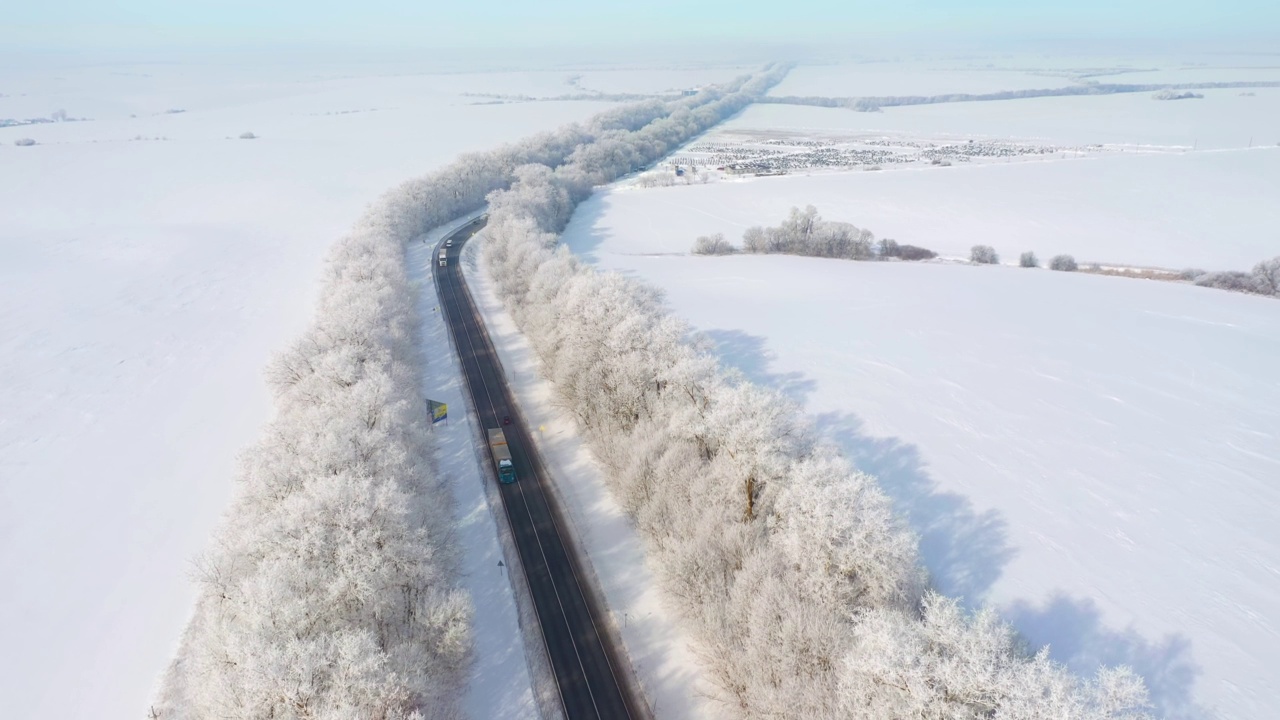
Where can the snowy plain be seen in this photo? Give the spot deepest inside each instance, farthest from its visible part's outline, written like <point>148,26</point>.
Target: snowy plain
<point>908,78</point>
<point>1091,455</point>
<point>1146,209</point>
<point>1223,119</point>
<point>1173,184</point>
<point>150,263</point>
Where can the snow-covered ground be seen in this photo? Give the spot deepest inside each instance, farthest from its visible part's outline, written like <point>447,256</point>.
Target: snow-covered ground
<point>909,78</point>
<point>1261,71</point>
<point>1089,454</point>
<point>660,655</point>
<point>1222,119</point>
<point>1214,210</point>
<point>150,262</point>
<point>1005,73</point>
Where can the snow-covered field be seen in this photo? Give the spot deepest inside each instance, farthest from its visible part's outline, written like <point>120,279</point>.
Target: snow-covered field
<point>1161,183</point>
<point>1091,455</point>
<point>1033,72</point>
<point>1222,119</point>
<point>1261,71</point>
<point>1214,210</point>
<point>150,262</point>
<point>909,78</point>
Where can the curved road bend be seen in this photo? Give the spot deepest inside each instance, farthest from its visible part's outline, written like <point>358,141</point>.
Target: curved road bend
<point>584,657</point>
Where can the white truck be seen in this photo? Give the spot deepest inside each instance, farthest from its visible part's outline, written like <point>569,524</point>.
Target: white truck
<point>444,257</point>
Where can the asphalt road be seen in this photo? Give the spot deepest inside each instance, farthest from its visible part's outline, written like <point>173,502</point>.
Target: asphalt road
<point>582,651</point>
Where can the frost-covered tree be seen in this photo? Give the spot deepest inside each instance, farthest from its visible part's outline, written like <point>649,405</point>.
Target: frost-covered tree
<point>1267,276</point>
<point>983,255</point>
<point>1028,260</point>
<point>1064,263</point>
<point>949,664</point>
<point>1233,280</point>
<point>804,232</point>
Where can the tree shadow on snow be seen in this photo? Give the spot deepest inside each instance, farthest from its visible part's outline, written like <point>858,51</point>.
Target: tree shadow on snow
<point>584,234</point>
<point>1076,637</point>
<point>748,355</point>
<point>965,550</point>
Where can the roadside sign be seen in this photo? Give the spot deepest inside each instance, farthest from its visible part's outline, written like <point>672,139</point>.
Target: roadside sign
<point>439,411</point>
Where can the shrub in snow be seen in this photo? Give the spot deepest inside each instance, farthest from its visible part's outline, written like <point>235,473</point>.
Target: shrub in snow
<point>1063,262</point>
<point>1267,276</point>
<point>911,252</point>
<point>983,255</point>
<point>890,248</point>
<point>800,585</point>
<point>1229,280</point>
<point>248,136</point>
<point>1175,95</point>
<point>1028,260</point>
<point>713,245</point>
<point>24,142</point>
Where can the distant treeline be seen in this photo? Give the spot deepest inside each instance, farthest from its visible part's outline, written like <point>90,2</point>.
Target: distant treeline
<point>872,104</point>
<point>568,97</point>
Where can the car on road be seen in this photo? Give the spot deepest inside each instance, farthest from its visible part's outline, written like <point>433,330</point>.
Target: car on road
<point>448,243</point>
<point>506,419</point>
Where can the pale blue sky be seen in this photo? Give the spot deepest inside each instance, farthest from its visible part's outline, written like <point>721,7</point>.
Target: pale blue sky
<point>495,23</point>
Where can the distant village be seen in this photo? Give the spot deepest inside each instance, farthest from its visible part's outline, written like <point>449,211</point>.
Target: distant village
<point>778,156</point>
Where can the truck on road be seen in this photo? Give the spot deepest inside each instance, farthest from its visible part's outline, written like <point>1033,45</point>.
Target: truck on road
<point>501,456</point>
<point>444,258</point>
